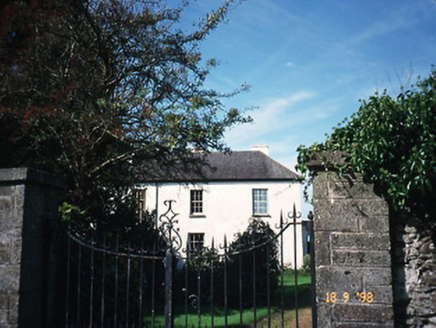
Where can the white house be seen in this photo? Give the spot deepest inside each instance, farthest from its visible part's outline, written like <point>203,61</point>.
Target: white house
<point>240,186</point>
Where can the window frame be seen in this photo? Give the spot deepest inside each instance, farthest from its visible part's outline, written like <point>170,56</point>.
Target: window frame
<point>140,195</point>
<point>260,201</point>
<point>196,204</point>
<point>195,244</point>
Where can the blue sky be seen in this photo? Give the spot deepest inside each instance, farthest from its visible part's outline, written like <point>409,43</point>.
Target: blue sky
<point>309,62</point>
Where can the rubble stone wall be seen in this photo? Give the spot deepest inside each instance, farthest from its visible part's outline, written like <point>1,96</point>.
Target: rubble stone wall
<point>414,268</point>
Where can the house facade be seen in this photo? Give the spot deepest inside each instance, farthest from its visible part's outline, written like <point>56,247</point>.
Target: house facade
<point>238,187</point>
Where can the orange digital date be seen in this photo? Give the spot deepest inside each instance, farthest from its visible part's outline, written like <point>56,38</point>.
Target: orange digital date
<point>332,297</point>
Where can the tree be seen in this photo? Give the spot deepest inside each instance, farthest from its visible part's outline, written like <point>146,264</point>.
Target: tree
<point>392,141</point>
<point>91,88</point>
<point>254,255</point>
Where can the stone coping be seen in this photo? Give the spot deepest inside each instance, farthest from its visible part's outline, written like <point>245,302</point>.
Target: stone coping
<point>24,175</point>
<point>327,160</point>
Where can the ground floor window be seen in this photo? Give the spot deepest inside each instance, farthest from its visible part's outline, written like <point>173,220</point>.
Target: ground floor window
<point>195,241</point>
<point>139,195</point>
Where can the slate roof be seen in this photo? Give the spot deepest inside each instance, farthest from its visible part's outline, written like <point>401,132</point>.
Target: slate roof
<point>236,166</point>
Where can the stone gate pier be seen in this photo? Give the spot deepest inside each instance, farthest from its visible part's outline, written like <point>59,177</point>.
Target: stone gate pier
<point>352,252</point>
<point>30,259</point>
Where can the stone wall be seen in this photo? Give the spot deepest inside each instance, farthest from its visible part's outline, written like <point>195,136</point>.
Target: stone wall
<point>29,281</point>
<point>352,253</point>
<point>414,268</point>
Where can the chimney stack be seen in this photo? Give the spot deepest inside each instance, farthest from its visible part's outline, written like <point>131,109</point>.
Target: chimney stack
<point>263,149</point>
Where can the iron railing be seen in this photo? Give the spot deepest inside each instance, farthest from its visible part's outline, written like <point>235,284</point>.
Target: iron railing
<point>119,280</point>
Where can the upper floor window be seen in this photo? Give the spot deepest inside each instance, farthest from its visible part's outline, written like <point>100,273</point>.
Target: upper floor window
<point>196,201</point>
<point>260,201</point>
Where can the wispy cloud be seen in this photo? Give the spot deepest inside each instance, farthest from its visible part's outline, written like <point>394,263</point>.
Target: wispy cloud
<point>399,19</point>
<point>274,115</point>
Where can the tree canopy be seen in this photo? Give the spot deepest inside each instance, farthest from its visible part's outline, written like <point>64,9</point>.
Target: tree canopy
<point>392,141</point>
<point>89,88</point>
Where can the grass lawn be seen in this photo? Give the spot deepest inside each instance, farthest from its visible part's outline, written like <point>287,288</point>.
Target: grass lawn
<point>233,318</point>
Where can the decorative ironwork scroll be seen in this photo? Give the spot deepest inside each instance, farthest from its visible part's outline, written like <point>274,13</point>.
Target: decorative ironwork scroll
<point>168,227</point>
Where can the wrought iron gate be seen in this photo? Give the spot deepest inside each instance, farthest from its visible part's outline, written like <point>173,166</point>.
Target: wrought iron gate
<point>120,280</point>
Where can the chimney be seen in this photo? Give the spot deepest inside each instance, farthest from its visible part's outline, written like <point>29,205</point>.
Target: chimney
<point>263,149</point>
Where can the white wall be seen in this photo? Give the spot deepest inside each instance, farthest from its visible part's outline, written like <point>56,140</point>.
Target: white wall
<point>227,208</point>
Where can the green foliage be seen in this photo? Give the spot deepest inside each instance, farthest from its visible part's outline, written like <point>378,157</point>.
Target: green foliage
<point>257,256</point>
<point>392,141</point>
<point>256,246</point>
<point>305,268</point>
<point>68,212</point>
<point>90,88</point>
<point>202,258</point>
<point>120,278</point>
